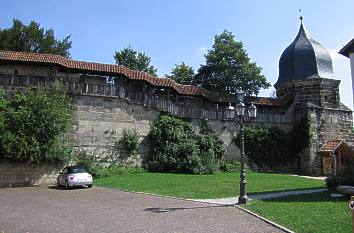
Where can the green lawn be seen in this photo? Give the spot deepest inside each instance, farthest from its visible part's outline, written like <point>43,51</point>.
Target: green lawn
<point>301,213</point>
<point>306,213</point>
<point>205,186</point>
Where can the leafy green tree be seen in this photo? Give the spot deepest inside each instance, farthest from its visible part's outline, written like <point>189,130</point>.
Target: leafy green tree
<point>228,68</point>
<point>182,74</point>
<point>33,38</point>
<point>34,123</point>
<point>134,60</point>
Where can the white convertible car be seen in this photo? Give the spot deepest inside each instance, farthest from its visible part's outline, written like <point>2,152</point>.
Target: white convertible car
<point>74,176</point>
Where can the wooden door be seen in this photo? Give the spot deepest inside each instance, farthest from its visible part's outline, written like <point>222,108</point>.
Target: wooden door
<point>327,165</point>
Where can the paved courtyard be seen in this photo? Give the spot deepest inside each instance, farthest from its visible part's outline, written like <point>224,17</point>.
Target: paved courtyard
<point>49,209</point>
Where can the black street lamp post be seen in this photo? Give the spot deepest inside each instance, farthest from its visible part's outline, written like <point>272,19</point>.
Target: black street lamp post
<point>239,118</point>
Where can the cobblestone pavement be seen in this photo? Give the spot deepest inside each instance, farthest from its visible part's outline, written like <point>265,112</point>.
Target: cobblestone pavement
<point>43,209</point>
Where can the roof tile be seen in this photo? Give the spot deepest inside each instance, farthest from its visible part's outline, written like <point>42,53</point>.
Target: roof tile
<point>331,145</point>
<point>135,75</point>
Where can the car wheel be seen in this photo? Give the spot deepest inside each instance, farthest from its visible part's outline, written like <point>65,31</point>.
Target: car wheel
<point>89,186</point>
<point>67,185</point>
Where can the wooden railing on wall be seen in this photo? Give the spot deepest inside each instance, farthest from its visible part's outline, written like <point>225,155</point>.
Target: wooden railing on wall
<point>154,102</point>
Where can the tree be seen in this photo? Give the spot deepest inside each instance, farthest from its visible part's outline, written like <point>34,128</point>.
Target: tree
<point>228,68</point>
<point>34,124</point>
<point>134,60</point>
<point>182,74</point>
<point>33,38</point>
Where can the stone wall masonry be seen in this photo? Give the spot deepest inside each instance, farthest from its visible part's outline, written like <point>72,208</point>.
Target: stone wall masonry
<point>100,118</point>
<point>99,123</point>
<point>98,127</point>
<point>13,174</point>
<point>319,91</point>
<point>102,115</point>
<point>326,124</point>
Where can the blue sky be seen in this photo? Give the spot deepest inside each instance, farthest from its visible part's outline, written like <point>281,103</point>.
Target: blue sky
<point>171,31</point>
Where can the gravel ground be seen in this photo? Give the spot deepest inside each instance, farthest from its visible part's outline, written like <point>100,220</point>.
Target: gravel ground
<point>43,209</point>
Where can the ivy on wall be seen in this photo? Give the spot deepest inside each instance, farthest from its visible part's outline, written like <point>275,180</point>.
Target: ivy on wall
<point>271,147</point>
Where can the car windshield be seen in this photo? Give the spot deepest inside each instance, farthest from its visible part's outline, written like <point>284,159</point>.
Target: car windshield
<point>73,170</point>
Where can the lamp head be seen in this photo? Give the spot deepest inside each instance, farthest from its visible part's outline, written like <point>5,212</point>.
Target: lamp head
<point>240,109</point>
<point>240,96</point>
<point>230,112</point>
<point>252,111</point>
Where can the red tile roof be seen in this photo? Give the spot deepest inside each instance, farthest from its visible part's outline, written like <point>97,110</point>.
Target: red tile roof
<point>13,56</point>
<point>335,144</point>
<point>270,101</point>
<point>331,145</point>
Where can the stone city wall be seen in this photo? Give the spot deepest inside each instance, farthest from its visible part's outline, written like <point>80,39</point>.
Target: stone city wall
<point>14,174</point>
<point>99,123</point>
<point>101,116</point>
<point>326,124</point>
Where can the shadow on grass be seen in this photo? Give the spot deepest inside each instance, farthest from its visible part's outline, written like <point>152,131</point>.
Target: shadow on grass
<point>284,190</point>
<point>309,197</point>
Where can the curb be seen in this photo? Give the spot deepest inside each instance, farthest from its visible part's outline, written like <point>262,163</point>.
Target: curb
<point>159,195</point>
<point>265,220</point>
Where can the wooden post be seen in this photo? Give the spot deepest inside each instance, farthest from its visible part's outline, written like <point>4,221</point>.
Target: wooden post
<point>339,159</point>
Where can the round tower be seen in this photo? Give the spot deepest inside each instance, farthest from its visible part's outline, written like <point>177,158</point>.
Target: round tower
<point>306,72</point>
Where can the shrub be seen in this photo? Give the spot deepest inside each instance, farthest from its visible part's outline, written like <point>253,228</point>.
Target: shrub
<point>165,136</point>
<point>210,164</point>
<point>114,170</point>
<point>90,161</point>
<point>344,177</point>
<point>230,166</point>
<point>18,146</point>
<point>4,102</point>
<point>99,168</point>
<point>186,159</point>
<point>130,140</point>
<point>176,147</point>
<point>332,182</point>
<point>62,150</point>
<point>210,141</point>
<point>211,149</point>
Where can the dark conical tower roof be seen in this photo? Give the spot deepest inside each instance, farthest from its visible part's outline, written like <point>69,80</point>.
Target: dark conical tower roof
<point>304,58</point>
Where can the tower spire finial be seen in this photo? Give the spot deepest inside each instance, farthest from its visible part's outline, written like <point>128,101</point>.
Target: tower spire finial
<point>301,18</point>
